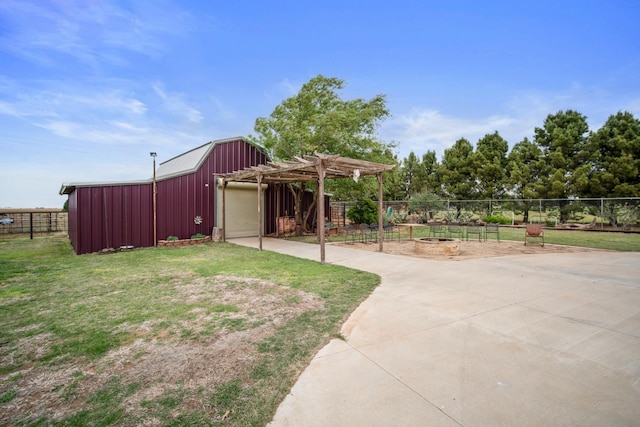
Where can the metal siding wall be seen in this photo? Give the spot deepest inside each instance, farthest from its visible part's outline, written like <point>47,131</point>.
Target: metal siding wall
<point>180,200</point>
<point>102,217</point>
<point>110,217</point>
<point>145,220</point>
<point>134,215</point>
<point>142,224</point>
<point>73,219</point>
<point>115,218</point>
<point>97,220</point>
<point>84,220</point>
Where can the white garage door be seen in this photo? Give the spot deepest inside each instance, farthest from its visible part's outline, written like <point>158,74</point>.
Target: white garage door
<point>241,209</point>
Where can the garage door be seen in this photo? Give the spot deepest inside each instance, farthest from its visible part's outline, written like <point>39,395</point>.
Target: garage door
<point>241,200</point>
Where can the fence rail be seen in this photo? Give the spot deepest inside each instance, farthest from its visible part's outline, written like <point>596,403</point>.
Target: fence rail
<point>25,221</point>
<point>620,213</point>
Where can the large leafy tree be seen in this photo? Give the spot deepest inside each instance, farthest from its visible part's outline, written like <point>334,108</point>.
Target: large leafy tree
<point>615,155</point>
<point>367,186</point>
<point>491,165</point>
<point>317,119</point>
<point>563,140</point>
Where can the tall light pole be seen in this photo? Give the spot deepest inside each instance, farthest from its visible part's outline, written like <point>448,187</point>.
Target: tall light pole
<point>155,224</point>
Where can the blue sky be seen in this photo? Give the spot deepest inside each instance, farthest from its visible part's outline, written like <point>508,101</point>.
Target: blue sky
<point>88,88</point>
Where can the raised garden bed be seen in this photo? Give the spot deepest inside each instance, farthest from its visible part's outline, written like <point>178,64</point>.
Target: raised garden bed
<point>183,242</point>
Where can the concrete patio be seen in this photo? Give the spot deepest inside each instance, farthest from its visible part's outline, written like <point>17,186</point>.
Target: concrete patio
<point>522,340</point>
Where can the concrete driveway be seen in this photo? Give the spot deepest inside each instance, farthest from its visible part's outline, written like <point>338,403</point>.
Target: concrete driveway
<point>524,340</point>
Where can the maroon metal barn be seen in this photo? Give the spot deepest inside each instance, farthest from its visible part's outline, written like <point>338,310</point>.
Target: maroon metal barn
<point>112,215</point>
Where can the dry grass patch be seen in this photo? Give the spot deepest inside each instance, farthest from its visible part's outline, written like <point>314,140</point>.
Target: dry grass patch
<point>239,313</point>
<point>163,337</point>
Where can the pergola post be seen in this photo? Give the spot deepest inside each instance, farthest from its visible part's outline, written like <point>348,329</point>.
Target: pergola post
<point>224,212</point>
<point>278,208</point>
<point>260,231</point>
<point>320,208</point>
<point>308,168</point>
<point>380,217</point>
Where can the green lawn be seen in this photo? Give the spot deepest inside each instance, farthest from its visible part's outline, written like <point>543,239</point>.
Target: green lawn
<point>618,241</point>
<point>629,242</point>
<point>204,335</point>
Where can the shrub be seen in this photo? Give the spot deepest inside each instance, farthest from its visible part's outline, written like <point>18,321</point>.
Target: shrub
<point>198,236</point>
<point>365,211</point>
<point>457,216</point>
<point>172,238</point>
<point>496,219</point>
<point>425,204</point>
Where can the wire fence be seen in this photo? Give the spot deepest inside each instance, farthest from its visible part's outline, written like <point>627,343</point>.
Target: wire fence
<point>25,221</point>
<point>597,213</point>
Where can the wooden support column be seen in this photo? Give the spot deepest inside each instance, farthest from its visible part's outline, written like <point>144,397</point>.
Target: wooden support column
<point>320,208</point>
<point>224,212</point>
<point>260,231</point>
<point>278,208</point>
<point>380,215</point>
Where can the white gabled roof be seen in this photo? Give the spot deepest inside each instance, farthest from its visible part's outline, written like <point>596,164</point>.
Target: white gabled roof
<point>182,164</point>
<point>185,162</point>
<point>191,160</point>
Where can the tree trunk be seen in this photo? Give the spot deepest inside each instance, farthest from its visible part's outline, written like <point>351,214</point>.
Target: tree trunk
<point>525,212</point>
<point>297,193</point>
<point>308,213</point>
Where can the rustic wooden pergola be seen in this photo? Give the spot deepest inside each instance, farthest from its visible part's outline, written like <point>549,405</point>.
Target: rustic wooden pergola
<point>318,167</point>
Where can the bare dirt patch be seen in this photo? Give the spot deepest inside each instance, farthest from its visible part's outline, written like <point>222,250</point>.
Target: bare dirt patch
<point>160,360</point>
<point>471,249</point>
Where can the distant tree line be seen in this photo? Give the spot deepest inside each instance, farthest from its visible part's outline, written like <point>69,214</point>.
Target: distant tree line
<point>565,160</point>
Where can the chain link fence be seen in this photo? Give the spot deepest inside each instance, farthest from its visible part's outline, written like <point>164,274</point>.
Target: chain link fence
<point>596,213</point>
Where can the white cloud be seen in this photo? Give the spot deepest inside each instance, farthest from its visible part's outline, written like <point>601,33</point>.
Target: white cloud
<point>223,111</point>
<point>282,90</point>
<point>99,114</point>
<point>423,128</point>
<point>90,32</point>
<point>56,99</point>
<point>174,102</point>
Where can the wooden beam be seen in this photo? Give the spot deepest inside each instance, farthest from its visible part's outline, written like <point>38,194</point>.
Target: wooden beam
<point>278,208</point>
<point>224,212</point>
<point>320,209</point>
<point>260,211</point>
<point>380,218</point>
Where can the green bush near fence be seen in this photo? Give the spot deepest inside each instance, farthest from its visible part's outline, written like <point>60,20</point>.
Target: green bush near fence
<point>496,219</point>
<point>365,211</point>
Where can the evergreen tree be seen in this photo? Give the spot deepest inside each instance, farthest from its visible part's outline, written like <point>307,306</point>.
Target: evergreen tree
<point>615,155</point>
<point>457,171</point>
<point>491,165</point>
<point>525,171</point>
<point>563,140</point>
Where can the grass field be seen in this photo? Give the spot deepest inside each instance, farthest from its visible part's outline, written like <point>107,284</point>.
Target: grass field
<point>617,241</point>
<point>587,239</point>
<point>204,335</point>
